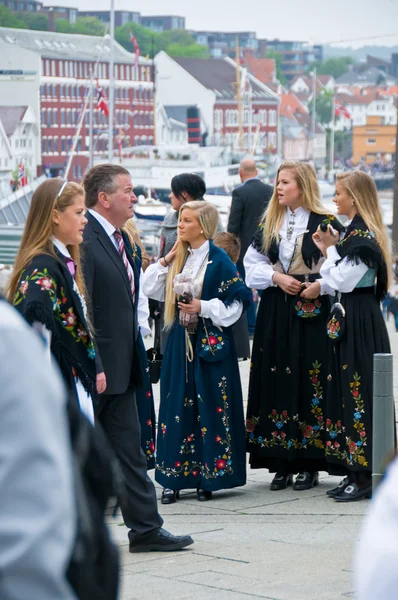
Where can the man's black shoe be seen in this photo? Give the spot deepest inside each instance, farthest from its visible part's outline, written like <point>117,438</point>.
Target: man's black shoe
<point>160,541</point>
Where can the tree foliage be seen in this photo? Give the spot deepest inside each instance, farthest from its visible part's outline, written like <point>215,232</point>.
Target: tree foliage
<point>332,66</point>
<point>323,107</point>
<point>278,58</point>
<point>8,19</point>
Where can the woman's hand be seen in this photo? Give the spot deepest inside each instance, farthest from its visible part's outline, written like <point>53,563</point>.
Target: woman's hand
<point>288,284</point>
<point>326,237</point>
<point>193,307</point>
<point>101,383</point>
<point>168,259</point>
<point>311,291</point>
<point>317,241</point>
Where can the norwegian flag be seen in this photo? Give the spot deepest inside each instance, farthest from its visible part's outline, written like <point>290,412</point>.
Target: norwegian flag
<point>340,110</point>
<point>136,48</point>
<point>22,178</point>
<point>102,104</point>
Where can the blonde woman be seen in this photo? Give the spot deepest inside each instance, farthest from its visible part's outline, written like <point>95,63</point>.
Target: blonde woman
<point>47,285</point>
<point>201,439</point>
<point>285,415</point>
<point>357,268</point>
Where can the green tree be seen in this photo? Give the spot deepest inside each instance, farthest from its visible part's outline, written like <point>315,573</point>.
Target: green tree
<point>278,58</point>
<point>35,21</point>
<point>191,51</point>
<point>143,36</point>
<point>332,66</point>
<point>8,19</point>
<point>323,107</point>
<point>89,26</point>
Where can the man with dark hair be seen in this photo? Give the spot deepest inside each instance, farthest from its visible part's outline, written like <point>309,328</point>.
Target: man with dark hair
<point>113,287</point>
<point>249,202</point>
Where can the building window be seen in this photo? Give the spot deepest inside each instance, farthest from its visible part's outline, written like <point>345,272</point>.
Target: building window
<point>272,118</point>
<point>61,68</point>
<point>54,91</point>
<point>371,141</point>
<point>56,145</point>
<point>43,117</point>
<point>44,145</point>
<point>272,138</point>
<point>80,70</point>
<point>47,67</point>
<point>50,145</point>
<point>49,119</point>
<point>55,116</point>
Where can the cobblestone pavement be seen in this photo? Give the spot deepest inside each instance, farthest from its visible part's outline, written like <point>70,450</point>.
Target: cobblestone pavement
<point>252,543</point>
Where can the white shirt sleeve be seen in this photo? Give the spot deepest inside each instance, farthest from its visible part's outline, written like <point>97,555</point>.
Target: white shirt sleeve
<point>258,270</point>
<point>325,288</point>
<point>143,311</point>
<point>342,277</point>
<point>153,281</point>
<point>221,315</point>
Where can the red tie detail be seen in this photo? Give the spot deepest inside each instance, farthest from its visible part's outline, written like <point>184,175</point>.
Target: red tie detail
<point>122,251</point>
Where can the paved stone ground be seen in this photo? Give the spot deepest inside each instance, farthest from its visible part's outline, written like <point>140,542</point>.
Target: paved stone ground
<point>252,543</point>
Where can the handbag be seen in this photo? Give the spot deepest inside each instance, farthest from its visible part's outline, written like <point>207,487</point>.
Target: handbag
<point>214,344</point>
<point>154,356</point>
<point>335,326</point>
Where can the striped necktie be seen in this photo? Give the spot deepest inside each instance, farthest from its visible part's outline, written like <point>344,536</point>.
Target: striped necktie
<point>122,251</point>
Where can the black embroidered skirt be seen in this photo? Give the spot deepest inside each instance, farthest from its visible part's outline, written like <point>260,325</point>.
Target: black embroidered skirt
<point>350,384</point>
<point>285,424</point>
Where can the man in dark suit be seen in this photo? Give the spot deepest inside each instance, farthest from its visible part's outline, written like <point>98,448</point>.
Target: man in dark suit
<point>113,286</point>
<point>249,202</point>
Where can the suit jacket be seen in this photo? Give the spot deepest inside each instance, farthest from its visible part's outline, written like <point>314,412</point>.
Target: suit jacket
<point>112,308</point>
<point>249,201</point>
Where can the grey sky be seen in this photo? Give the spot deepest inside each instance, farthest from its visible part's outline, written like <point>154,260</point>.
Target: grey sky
<point>319,21</point>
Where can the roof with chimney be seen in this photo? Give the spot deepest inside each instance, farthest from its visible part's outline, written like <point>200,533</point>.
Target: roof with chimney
<point>219,76</point>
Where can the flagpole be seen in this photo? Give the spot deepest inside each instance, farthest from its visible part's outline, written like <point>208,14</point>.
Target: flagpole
<point>75,140</point>
<point>90,135</point>
<point>331,160</point>
<point>313,113</point>
<point>238,94</point>
<point>111,81</point>
<point>154,93</point>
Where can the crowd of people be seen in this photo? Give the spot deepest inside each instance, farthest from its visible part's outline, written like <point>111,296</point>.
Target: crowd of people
<point>82,280</point>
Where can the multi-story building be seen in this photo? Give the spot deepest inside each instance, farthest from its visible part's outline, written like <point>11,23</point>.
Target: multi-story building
<point>21,145</point>
<point>221,43</point>
<point>370,103</point>
<point>121,16</point>
<point>210,85</point>
<point>51,73</point>
<point>32,6</point>
<point>374,140</point>
<point>163,23</point>
<point>296,55</point>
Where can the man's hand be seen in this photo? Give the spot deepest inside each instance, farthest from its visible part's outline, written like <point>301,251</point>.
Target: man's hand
<point>101,383</point>
<point>191,308</point>
<point>288,284</point>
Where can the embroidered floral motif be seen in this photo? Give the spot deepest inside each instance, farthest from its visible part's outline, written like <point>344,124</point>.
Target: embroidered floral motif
<point>333,328</point>
<point>309,309</point>
<point>188,402</point>
<point>225,285</point>
<point>360,232</point>
<point>212,343</point>
<point>150,449</point>
<point>68,319</point>
<point>222,463</point>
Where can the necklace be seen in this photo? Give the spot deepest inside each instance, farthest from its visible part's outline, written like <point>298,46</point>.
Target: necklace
<point>290,226</point>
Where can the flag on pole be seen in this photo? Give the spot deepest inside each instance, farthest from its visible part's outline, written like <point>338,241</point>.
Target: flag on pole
<point>102,104</point>
<point>136,48</point>
<point>340,110</point>
<point>22,178</point>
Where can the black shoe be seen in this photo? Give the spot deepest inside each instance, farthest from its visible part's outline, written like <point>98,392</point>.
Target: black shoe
<point>160,541</point>
<point>340,488</point>
<point>203,495</point>
<point>169,496</point>
<point>280,482</point>
<point>352,493</point>
<point>306,481</point>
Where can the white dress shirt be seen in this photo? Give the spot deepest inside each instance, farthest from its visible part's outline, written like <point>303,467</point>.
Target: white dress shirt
<point>154,283</point>
<point>343,277</point>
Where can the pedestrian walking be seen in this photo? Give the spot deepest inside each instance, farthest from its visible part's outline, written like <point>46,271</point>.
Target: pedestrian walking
<point>47,285</point>
<point>201,440</point>
<point>357,268</point>
<point>113,288</point>
<point>286,403</point>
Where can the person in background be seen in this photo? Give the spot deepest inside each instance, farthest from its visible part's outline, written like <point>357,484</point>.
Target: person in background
<point>357,268</point>
<point>201,438</point>
<point>286,403</point>
<point>249,202</point>
<point>37,509</point>
<point>230,243</point>
<point>47,285</point>
<point>113,288</point>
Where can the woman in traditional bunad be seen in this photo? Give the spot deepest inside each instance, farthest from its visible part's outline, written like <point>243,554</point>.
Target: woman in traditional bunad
<point>144,394</point>
<point>357,268</point>
<point>201,439</point>
<point>286,405</point>
<point>47,285</point>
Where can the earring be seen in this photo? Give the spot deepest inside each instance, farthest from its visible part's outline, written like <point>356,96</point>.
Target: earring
<point>201,232</point>
<point>352,203</point>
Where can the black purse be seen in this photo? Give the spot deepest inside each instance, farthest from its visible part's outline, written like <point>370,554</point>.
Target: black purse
<point>154,356</point>
<point>335,326</point>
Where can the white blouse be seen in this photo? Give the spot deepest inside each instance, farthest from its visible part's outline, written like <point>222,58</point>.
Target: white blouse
<point>343,277</point>
<point>154,284</point>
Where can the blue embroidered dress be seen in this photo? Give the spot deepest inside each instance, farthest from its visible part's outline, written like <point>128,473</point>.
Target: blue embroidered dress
<point>201,436</point>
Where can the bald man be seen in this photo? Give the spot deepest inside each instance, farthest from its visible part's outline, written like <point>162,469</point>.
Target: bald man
<point>249,201</point>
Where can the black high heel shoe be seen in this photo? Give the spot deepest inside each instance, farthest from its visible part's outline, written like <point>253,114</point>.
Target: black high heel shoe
<point>169,496</point>
<point>306,481</point>
<point>203,495</point>
<point>280,482</point>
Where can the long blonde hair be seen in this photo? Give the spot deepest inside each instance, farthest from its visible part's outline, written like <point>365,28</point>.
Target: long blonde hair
<point>362,190</point>
<point>307,182</point>
<point>207,216</point>
<point>36,238</point>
